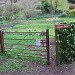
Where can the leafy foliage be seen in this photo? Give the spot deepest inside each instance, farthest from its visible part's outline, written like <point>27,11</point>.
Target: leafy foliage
<point>64,6</point>
<point>51,6</point>
<point>1,11</point>
<point>72,13</point>
<point>45,6</point>
<point>31,13</point>
<point>67,44</point>
<point>72,1</point>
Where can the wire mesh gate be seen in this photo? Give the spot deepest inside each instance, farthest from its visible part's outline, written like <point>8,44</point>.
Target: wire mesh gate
<point>28,44</point>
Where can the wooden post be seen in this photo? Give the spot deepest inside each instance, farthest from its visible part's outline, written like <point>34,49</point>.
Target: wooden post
<point>2,41</point>
<point>47,46</point>
<point>57,46</point>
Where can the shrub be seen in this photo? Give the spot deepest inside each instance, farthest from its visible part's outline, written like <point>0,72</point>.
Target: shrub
<point>9,12</point>
<point>66,43</point>
<point>72,1</point>
<point>72,6</point>
<point>64,14</point>
<point>31,13</point>
<point>72,13</point>
<point>1,11</point>
<point>45,6</point>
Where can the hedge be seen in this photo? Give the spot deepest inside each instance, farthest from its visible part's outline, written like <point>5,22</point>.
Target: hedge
<point>72,13</point>
<point>67,43</point>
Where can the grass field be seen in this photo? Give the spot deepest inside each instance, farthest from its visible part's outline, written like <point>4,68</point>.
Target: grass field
<point>11,60</point>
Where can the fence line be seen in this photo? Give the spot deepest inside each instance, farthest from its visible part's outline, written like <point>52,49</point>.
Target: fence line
<point>47,45</point>
<point>44,43</point>
<point>22,32</point>
<point>2,41</point>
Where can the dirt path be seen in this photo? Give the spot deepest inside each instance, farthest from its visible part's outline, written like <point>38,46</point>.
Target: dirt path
<point>35,68</point>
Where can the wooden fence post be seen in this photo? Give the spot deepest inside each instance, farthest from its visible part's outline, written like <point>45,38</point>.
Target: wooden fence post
<point>57,46</point>
<point>2,41</point>
<point>47,46</point>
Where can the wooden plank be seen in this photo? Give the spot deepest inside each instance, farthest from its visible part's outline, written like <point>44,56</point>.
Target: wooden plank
<point>57,47</point>
<point>61,26</point>
<point>25,49</point>
<point>2,41</point>
<point>21,32</point>
<point>22,44</point>
<point>47,46</point>
<point>17,39</point>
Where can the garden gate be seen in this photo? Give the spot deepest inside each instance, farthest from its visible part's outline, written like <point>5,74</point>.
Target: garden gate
<point>29,44</point>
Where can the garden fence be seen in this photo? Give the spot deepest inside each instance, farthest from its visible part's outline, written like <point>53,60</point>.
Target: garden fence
<point>33,43</point>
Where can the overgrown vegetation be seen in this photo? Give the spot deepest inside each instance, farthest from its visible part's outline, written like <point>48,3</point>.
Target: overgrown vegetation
<point>14,59</point>
<point>66,43</point>
<point>35,16</point>
<point>72,13</point>
<point>28,9</point>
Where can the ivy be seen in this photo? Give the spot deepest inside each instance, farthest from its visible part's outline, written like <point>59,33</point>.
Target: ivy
<point>67,43</point>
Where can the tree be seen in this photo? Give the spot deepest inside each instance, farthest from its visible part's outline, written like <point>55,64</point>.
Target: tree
<point>11,7</point>
<point>45,6</point>
<point>72,1</point>
<point>64,6</point>
<point>58,4</point>
<point>53,5</point>
<point>14,1</point>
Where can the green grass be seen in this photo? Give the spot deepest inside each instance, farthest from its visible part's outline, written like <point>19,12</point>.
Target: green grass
<point>14,57</point>
<point>25,43</point>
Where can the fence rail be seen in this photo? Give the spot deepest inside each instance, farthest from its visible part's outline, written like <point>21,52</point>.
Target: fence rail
<point>8,41</point>
<point>24,45</point>
<point>22,32</point>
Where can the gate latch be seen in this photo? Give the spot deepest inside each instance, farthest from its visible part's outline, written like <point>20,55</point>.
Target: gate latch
<point>43,42</point>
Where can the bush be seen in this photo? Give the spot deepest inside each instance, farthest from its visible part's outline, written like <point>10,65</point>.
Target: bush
<point>72,13</point>
<point>32,13</point>
<point>9,12</point>
<point>45,6</point>
<point>72,1</point>
<point>1,11</point>
<point>64,14</point>
<point>72,6</point>
<point>66,43</point>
